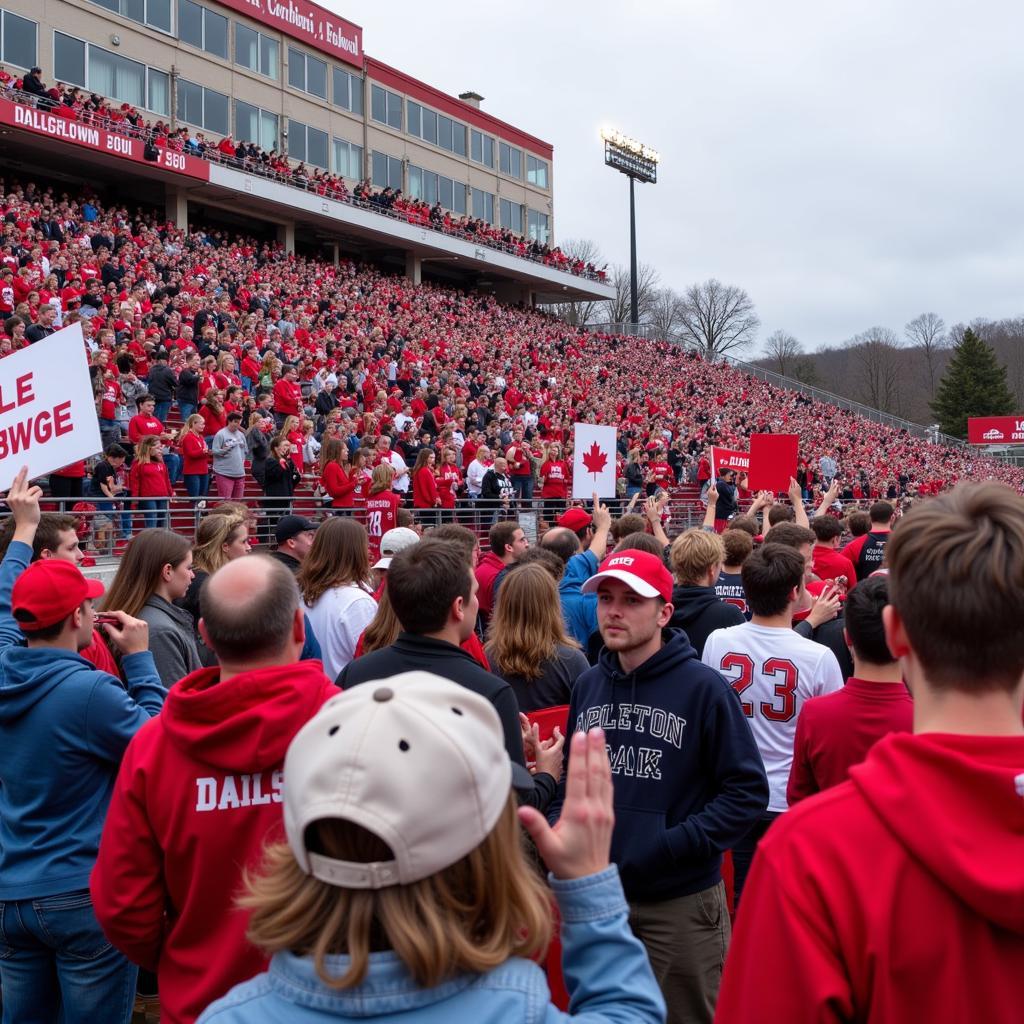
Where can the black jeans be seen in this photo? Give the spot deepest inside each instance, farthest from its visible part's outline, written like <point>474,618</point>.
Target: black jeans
<point>743,853</point>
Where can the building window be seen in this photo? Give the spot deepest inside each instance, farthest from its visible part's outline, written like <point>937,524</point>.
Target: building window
<point>436,188</point>
<point>348,159</point>
<point>437,129</point>
<point>348,91</point>
<point>510,160</point>
<point>155,13</point>
<point>255,125</point>
<point>386,107</point>
<point>202,28</point>
<point>536,171</point>
<point>110,74</point>
<point>255,51</point>
<point>17,40</point>
<point>537,227</point>
<point>512,216</point>
<point>307,144</point>
<point>483,205</point>
<point>307,73</point>
<point>481,148</point>
<point>203,107</point>
<point>386,171</point>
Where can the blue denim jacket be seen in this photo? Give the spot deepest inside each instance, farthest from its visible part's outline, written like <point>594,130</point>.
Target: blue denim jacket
<point>606,972</point>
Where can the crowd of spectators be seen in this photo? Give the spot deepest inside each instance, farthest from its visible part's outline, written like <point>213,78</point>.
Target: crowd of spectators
<point>71,102</point>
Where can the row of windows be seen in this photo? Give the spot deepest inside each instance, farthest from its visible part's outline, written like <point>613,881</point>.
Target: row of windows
<point>449,135</point>
<point>110,74</point>
<point>436,188</point>
<point>17,40</point>
<point>155,13</point>
<point>436,129</point>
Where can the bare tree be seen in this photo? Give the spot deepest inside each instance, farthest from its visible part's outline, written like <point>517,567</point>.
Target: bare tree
<point>666,312</point>
<point>877,359</point>
<point>718,318</point>
<point>646,285</point>
<point>927,333</point>
<point>784,351</point>
<point>581,312</point>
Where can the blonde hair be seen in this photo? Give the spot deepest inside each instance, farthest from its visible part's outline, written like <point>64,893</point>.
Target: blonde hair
<point>694,552</point>
<point>216,530</point>
<point>384,627</point>
<point>145,446</point>
<point>527,624</point>
<point>381,478</point>
<point>469,918</point>
<point>195,420</point>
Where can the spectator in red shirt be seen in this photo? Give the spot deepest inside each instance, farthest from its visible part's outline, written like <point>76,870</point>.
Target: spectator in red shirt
<point>424,487</point>
<point>287,395</point>
<point>339,484</point>
<point>554,481</point>
<point>149,482</point>
<point>449,480</point>
<point>829,564</point>
<point>507,542</point>
<point>835,732</point>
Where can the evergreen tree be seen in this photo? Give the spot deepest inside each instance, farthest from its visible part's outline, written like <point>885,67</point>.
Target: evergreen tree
<point>974,384</point>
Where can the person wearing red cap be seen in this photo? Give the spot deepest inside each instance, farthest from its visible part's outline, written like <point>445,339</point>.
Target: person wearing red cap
<point>687,776</point>
<point>64,726</point>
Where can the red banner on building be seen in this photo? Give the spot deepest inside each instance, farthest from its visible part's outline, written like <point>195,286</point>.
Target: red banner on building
<point>996,429</point>
<point>80,133</point>
<point>308,22</point>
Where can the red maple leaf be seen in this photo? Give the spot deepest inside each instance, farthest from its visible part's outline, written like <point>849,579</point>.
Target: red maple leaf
<point>595,459</point>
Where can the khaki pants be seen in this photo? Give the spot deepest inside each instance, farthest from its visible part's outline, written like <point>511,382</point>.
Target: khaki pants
<point>686,940</point>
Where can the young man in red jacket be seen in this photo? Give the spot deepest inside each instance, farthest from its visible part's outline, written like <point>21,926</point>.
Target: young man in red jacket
<point>507,542</point>
<point>199,792</point>
<point>896,896</point>
<point>287,395</point>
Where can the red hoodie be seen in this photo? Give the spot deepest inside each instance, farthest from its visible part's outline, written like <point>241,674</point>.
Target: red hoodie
<point>198,794</point>
<point>895,897</point>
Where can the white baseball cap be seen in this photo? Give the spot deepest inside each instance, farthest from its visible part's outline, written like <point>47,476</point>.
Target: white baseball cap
<point>415,759</point>
<point>398,539</point>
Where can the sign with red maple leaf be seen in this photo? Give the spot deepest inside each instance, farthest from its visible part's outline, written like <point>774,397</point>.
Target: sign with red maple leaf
<point>593,461</point>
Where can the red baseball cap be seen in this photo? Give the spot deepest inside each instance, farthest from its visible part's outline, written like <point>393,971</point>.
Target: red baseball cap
<point>48,591</point>
<point>575,519</point>
<point>642,572</point>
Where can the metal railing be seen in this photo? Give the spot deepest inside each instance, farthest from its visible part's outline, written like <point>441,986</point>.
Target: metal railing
<point>105,527</point>
<point>648,332</point>
<point>333,189</point>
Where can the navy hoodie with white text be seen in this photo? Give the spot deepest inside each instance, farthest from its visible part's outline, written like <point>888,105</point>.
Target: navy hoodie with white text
<point>688,779</point>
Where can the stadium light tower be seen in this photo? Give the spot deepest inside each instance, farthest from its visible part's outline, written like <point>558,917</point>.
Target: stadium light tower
<point>639,163</point>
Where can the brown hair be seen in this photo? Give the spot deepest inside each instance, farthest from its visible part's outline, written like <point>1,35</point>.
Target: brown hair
<point>627,524</point>
<point>500,536</point>
<point>693,553</point>
<point>384,627</point>
<point>880,513</point>
<point>423,582</point>
<point>781,514</point>
<point>769,575</point>
<point>956,577</point>
<point>825,528</point>
<point>143,561</point>
<point>467,919</point>
<point>47,538</point>
<point>340,556</point>
<point>527,625</point>
<point>791,535</point>
<point>858,523</point>
<point>461,536</point>
<point>748,524</point>
<point>214,531</point>
<point>737,545</point>
<point>640,542</point>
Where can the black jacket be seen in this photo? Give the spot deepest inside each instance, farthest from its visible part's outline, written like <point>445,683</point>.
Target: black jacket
<point>699,611</point>
<point>280,480</point>
<point>411,652</point>
<point>162,383</point>
<point>188,387</point>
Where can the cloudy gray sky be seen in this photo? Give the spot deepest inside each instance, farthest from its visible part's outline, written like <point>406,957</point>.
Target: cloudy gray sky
<point>848,162</point>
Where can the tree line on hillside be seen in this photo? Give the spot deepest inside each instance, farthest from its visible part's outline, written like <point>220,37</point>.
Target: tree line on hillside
<point>927,373</point>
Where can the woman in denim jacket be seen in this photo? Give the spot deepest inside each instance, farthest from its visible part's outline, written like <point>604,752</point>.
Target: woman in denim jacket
<point>403,891</point>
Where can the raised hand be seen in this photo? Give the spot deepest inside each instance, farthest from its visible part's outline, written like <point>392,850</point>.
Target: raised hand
<point>580,842</point>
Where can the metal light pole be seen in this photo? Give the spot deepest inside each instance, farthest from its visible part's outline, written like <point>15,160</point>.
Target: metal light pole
<point>639,163</point>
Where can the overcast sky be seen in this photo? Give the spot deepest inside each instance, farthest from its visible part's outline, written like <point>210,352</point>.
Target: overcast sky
<point>847,162</point>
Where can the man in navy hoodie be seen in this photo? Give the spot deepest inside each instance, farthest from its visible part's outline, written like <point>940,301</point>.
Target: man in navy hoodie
<point>64,725</point>
<point>688,779</point>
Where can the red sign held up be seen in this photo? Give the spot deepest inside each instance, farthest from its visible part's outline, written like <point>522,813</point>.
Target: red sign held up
<point>773,461</point>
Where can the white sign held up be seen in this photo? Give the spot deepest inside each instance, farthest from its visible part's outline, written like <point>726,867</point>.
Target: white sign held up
<point>47,409</point>
<point>593,464</point>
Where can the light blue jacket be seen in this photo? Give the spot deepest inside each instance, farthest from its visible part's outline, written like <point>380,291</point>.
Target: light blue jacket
<point>606,972</point>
